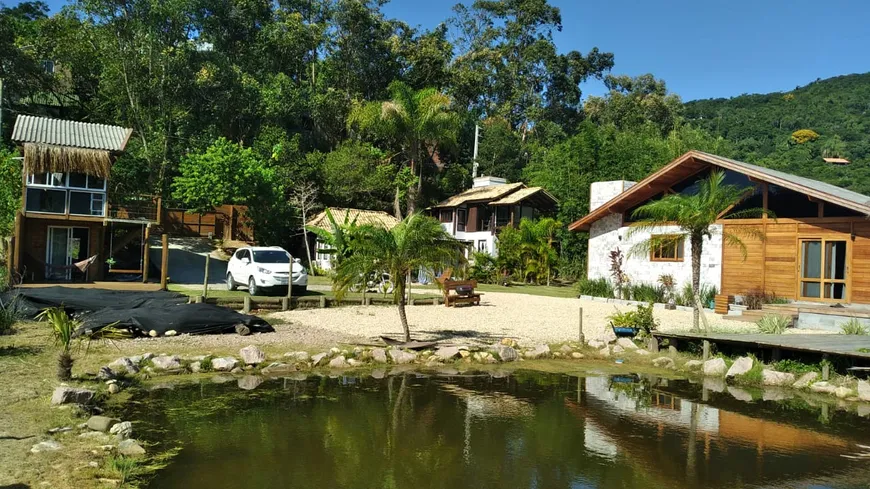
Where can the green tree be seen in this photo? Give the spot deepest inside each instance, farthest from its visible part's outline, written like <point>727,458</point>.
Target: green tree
<point>634,102</point>
<point>10,190</point>
<point>416,242</point>
<point>538,239</point>
<point>225,173</point>
<point>695,215</point>
<point>357,175</point>
<point>419,121</point>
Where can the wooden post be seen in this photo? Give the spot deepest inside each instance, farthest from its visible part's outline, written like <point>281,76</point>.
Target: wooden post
<point>285,303</point>
<point>247,307</point>
<point>323,302</point>
<point>205,280</point>
<point>164,268</point>
<point>706,350</point>
<point>198,299</point>
<point>653,345</point>
<point>146,260</point>
<point>826,368</point>
<point>582,337</point>
<point>367,301</point>
<point>290,285</point>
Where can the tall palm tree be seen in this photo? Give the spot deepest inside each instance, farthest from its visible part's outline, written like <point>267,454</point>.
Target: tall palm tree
<point>418,120</point>
<point>538,237</point>
<point>418,241</point>
<point>695,216</point>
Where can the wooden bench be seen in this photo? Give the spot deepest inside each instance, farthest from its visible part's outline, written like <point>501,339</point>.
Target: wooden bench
<point>454,298</point>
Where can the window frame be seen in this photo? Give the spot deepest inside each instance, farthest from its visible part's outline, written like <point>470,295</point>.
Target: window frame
<point>679,247</point>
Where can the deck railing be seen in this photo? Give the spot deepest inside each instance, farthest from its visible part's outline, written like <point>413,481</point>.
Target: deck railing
<point>144,208</point>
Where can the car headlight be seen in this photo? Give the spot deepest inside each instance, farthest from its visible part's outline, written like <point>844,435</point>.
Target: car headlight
<point>263,270</point>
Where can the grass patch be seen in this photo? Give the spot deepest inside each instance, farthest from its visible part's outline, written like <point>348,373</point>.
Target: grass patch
<point>795,367</point>
<point>753,376</point>
<point>853,326</point>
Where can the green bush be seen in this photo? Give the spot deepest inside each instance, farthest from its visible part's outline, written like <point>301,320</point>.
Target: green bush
<point>647,292</point>
<point>773,324</point>
<point>642,318</point>
<point>707,295</point>
<point>853,326</point>
<point>599,287</point>
<point>9,314</point>
<point>795,367</point>
<point>484,269</point>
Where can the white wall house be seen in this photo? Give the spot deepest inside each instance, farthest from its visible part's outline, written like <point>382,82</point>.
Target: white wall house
<point>611,232</point>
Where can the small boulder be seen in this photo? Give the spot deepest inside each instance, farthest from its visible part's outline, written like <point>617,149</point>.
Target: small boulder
<point>598,344</point>
<point>740,367</point>
<point>864,390</point>
<point>379,355</point>
<point>805,380</point>
<point>114,388</point>
<point>46,446</point>
<point>130,448</point>
<point>338,362</point>
<point>608,336</point>
<point>506,353</point>
<point>353,362</point>
<point>642,352</point>
<point>693,365</point>
<point>277,368</point>
<point>663,362</point>
<point>166,362</point>
<point>105,373</point>
<point>71,395</point>
<point>604,352</point>
<point>618,349</point>
<point>224,364</point>
<point>626,343</point>
<point>715,367</point>
<point>378,373</point>
<point>823,388</point>
<point>102,423</point>
<point>125,364</point>
<point>319,359</point>
<point>252,355</point>
<point>237,370</point>
<point>447,353</point>
<point>402,357</point>
<point>249,382</point>
<point>772,377</point>
<point>540,351</point>
<point>566,349</point>
<point>297,356</point>
<point>577,355</point>
<point>122,430</point>
<point>170,332</point>
<point>843,392</point>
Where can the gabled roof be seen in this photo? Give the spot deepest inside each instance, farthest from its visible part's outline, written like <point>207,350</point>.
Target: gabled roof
<point>59,132</point>
<point>695,161</point>
<point>836,161</point>
<point>373,218</point>
<point>476,194</point>
<point>534,193</point>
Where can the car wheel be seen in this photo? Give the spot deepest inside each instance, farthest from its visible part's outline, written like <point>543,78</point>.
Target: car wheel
<point>231,283</point>
<point>252,287</point>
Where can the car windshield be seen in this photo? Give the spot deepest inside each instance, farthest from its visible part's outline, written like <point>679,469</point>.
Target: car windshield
<point>271,256</point>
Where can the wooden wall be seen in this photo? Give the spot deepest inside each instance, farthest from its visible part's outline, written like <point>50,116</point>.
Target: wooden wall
<point>772,264</point>
<point>34,240</point>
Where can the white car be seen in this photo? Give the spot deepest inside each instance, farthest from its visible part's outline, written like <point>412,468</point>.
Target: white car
<point>261,268</point>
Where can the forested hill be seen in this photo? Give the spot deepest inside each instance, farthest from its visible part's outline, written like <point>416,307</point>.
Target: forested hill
<point>832,115</point>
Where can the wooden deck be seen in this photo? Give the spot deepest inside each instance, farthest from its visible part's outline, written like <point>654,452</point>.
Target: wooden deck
<point>135,286</point>
<point>819,344</point>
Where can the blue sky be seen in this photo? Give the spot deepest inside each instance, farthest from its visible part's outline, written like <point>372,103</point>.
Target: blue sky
<point>701,48</point>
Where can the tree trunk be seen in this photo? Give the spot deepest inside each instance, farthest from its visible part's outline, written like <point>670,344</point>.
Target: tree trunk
<point>305,237</point>
<point>64,366</point>
<point>402,316</point>
<point>697,243</point>
<point>397,205</point>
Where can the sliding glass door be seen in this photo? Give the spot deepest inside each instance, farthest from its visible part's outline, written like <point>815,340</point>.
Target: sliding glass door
<point>823,269</point>
<point>66,245</point>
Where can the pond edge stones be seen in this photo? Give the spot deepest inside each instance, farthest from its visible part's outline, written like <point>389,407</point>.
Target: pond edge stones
<point>740,367</point>
<point>71,395</point>
<point>252,355</point>
<point>715,367</point>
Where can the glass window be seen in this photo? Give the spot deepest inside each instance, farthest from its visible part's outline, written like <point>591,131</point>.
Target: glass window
<point>57,179</point>
<point>38,179</point>
<point>446,215</point>
<point>96,183</point>
<point>461,215</point>
<point>271,256</point>
<point>97,204</point>
<point>667,247</point>
<point>46,200</point>
<point>788,203</point>
<point>78,180</point>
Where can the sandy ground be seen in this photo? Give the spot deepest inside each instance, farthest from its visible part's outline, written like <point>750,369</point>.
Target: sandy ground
<point>527,318</point>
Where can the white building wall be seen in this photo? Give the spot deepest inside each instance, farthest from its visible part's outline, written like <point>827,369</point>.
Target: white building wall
<point>608,234</point>
<point>601,192</point>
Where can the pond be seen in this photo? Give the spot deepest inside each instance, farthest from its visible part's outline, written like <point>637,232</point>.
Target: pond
<point>519,430</point>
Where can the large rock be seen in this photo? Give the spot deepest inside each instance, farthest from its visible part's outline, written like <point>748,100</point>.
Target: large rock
<point>772,377</point>
<point>805,380</point>
<point>447,353</point>
<point>626,343</point>
<point>693,365</point>
<point>823,388</point>
<point>740,367</point>
<point>506,353</point>
<point>338,362</point>
<point>224,364</point>
<point>45,446</point>
<point>252,355</point>
<point>105,373</point>
<point>540,351</point>
<point>715,367</point>
<point>566,349</point>
<point>379,355</point>
<point>604,352</point>
<point>166,362</point>
<point>597,344</point>
<point>102,423</point>
<point>608,336</point>
<point>663,362</point>
<point>122,430</point>
<point>125,364</point>
<point>130,448</point>
<point>71,395</point>
<point>864,390</point>
<point>319,359</point>
<point>402,357</point>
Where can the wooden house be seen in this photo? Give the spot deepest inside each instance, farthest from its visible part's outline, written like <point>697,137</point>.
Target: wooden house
<point>816,248</point>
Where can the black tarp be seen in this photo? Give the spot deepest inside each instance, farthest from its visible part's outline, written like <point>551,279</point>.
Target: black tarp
<point>141,312</point>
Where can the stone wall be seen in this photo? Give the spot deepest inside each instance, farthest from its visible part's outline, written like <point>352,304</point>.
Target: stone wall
<point>608,234</point>
<point>601,192</point>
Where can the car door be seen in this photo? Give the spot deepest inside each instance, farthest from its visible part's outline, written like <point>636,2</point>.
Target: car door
<point>245,265</point>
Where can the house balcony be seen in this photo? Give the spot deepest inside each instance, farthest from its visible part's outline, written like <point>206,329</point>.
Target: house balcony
<point>135,208</point>
<point>89,205</point>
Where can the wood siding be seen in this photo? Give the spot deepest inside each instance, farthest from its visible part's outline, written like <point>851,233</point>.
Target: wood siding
<point>34,240</point>
<point>772,265</point>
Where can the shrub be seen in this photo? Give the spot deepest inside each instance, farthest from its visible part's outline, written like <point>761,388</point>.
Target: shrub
<point>707,295</point>
<point>484,268</point>
<point>63,327</point>
<point>795,367</point>
<point>599,287</point>
<point>642,318</point>
<point>773,324</point>
<point>647,292</point>
<point>756,298</point>
<point>9,314</point>
<point>853,326</point>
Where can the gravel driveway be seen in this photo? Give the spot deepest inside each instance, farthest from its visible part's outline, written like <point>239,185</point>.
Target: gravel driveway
<point>528,318</point>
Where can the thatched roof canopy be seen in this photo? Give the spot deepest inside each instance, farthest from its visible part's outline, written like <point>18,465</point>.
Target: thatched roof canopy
<point>55,145</point>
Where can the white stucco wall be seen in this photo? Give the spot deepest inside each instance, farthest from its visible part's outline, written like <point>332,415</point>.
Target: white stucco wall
<point>607,234</point>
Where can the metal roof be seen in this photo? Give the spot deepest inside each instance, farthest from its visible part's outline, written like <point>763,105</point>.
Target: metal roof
<point>59,132</point>
<point>487,192</point>
<point>361,216</point>
<point>688,164</point>
<point>836,161</point>
<point>523,194</point>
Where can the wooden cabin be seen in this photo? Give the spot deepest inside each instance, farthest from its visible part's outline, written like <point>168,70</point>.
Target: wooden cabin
<point>816,248</point>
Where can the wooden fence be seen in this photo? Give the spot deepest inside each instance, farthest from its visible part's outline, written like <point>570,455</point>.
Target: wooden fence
<point>227,222</point>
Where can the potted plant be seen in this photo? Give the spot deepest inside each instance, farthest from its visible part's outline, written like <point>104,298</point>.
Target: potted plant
<point>667,282</point>
<point>639,322</point>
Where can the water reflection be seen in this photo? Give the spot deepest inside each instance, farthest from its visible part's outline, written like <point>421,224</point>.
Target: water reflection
<point>526,430</point>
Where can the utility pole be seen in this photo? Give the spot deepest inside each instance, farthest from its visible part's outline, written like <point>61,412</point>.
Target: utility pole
<point>476,144</point>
